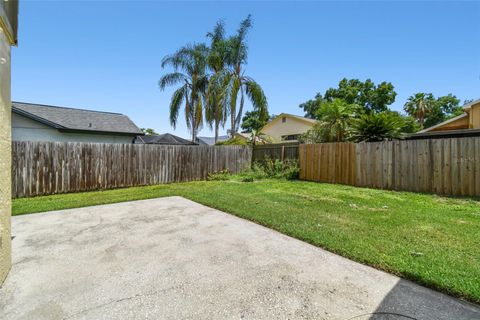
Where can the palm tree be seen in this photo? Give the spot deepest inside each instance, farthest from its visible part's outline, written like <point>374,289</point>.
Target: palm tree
<point>419,105</point>
<point>373,127</point>
<point>236,82</point>
<point>215,108</point>
<point>189,65</point>
<point>334,118</point>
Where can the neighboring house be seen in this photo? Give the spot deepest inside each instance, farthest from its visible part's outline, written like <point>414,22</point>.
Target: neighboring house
<point>464,125</point>
<point>163,139</point>
<point>36,122</point>
<point>210,141</point>
<point>287,127</point>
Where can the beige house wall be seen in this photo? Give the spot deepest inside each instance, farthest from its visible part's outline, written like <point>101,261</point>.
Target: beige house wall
<point>5,157</point>
<point>454,125</point>
<point>292,126</point>
<point>474,122</point>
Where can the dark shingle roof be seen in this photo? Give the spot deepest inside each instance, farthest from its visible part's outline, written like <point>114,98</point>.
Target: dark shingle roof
<point>166,138</point>
<point>211,140</point>
<point>64,118</point>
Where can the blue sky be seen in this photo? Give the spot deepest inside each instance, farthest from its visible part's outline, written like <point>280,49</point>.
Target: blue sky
<point>106,55</point>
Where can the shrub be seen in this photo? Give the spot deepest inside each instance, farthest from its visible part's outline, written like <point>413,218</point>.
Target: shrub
<point>287,169</point>
<point>219,175</point>
<point>247,179</point>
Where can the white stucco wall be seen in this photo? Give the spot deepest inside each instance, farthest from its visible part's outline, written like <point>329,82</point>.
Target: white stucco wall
<point>25,129</point>
<point>5,158</point>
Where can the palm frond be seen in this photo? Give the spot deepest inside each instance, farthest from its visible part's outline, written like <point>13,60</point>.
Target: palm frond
<point>177,100</point>
<point>218,33</point>
<point>256,95</point>
<point>171,79</point>
<point>245,25</point>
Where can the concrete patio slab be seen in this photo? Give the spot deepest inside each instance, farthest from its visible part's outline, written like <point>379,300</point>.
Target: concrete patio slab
<point>172,258</point>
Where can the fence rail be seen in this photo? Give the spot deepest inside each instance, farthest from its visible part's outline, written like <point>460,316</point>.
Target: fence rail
<point>280,151</point>
<point>442,166</point>
<point>42,168</point>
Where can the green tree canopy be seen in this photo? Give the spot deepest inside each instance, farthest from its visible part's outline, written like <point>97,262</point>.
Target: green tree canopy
<point>239,86</point>
<point>366,94</point>
<point>149,131</point>
<point>254,120</point>
<point>216,108</point>
<point>443,109</point>
<point>429,111</point>
<point>211,81</point>
<point>310,107</point>
<point>342,122</point>
<point>189,64</point>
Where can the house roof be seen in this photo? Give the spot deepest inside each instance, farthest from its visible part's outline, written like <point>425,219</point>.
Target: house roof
<point>468,105</point>
<point>465,107</point>
<point>460,133</point>
<point>280,116</point>
<point>463,115</point>
<point>70,119</point>
<point>211,140</point>
<point>165,139</point>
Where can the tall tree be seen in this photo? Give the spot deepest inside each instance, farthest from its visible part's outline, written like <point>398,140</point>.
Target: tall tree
<point>419,105</point>
<point>310,107</point>
<point>373,98</point>
<point>333,120</point>
<point>237,83</point>
<point>366,94</point>
<point>189,64</point>
<point>253,120</point>
<point>215,108</point>
<point>442,109</point>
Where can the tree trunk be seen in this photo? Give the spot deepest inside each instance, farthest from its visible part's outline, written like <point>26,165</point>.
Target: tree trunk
<point>217,123</point>
<point>194,130</point>
<point>232,120</point>
<point>240,110</point>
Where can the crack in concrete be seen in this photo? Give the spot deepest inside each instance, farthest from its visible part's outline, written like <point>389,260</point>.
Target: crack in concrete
<point>138,295</point>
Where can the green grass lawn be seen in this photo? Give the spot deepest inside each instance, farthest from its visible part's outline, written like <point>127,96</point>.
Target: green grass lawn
<point>432,240</point>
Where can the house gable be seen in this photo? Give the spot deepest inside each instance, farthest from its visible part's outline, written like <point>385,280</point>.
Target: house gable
<point>468,120</point>
<point>27,129</point>
<point>287,127</point>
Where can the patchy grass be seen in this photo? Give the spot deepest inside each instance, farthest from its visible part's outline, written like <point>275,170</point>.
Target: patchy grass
<point>432,240</point>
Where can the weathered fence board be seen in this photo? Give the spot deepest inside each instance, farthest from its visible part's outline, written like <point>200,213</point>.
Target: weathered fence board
<point>280,151</point>
<point>41,168</point>
<point>442,166</point>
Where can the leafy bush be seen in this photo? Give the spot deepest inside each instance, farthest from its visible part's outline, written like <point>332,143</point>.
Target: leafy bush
<point>377,127</point>
<point>247,179</point>
<point>270,168</point>
<point>266,169</point>
<point>219,175</point>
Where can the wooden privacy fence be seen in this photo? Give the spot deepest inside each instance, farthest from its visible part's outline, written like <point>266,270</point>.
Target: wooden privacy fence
<point>41,168</point>
<point>280,151</point>
<point>442,166</point>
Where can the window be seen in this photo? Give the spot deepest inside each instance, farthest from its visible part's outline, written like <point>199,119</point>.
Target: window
<point>291,137</point>
<point>284,119</point>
